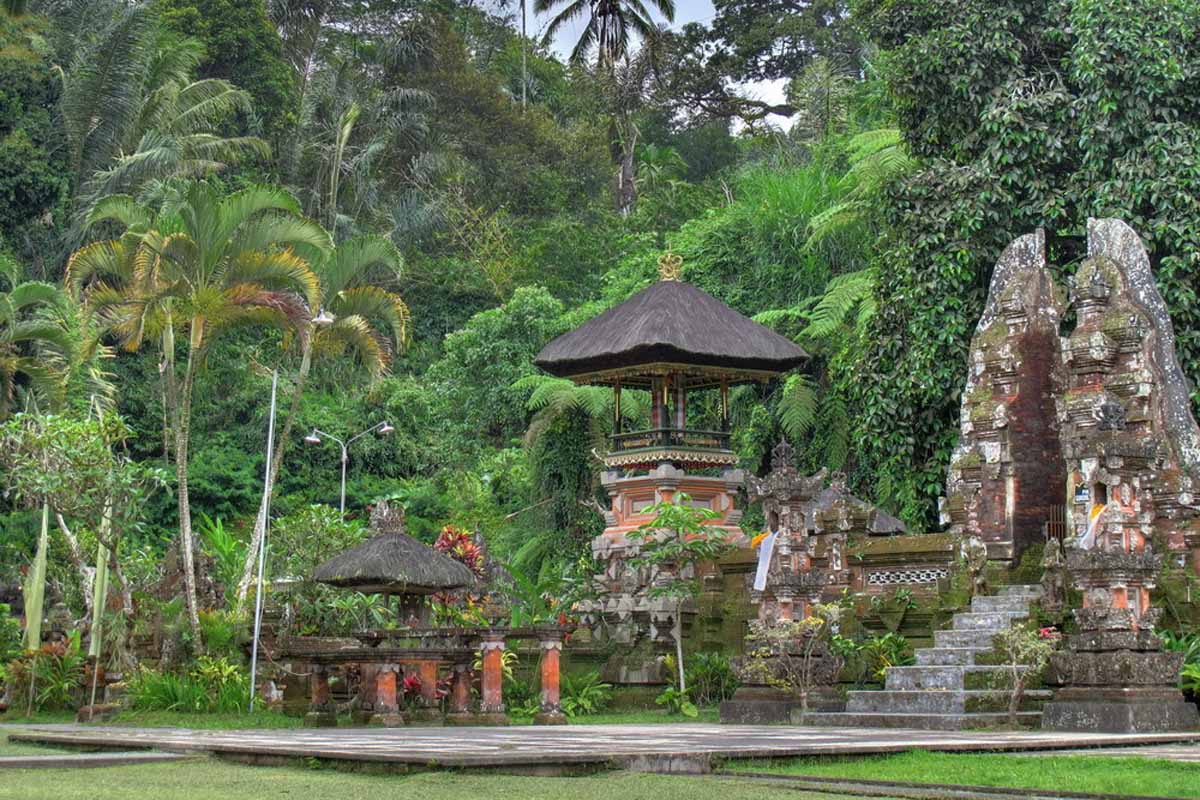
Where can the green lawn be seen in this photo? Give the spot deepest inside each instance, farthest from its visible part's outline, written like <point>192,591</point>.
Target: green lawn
<point>1119,776</point>
<point>212,780</point>
<point>268,719</point>
<point>8,748</point>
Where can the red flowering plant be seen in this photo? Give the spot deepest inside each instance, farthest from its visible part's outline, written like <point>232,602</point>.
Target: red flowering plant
<point>1049,632</point>
<point>411,685</point>
<point>459,545</point>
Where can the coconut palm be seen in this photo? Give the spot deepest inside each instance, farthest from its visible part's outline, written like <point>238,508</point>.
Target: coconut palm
<point>210,264</point>
<point>365,322</point>
<point>611,24</point>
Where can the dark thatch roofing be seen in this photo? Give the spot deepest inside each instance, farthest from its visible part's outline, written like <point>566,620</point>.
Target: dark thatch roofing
<point>394,563</point>
<point>670,322</point>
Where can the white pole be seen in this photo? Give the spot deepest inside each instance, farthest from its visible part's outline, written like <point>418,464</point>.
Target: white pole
<point>262,546</point>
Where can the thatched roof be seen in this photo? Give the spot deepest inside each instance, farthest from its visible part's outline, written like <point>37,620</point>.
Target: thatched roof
<point>394,563</point>
<point>670,322</point>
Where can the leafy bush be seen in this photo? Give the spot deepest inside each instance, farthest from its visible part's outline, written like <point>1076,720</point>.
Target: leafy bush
<point>677,702</point>
<point>227,551</point>
<point>223,632</point>
<point>214,685</point>
<point>57,676</point>
<point>522,698</point>
<point>584,694</point>
<point>889,650</point>
<point>10,635</point>
<point>710,678</point>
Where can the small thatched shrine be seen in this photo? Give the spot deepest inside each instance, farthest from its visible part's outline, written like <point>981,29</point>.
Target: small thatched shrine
<point>394,563</point>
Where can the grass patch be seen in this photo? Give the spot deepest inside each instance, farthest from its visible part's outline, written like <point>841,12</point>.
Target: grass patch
<point>174,719</point>
<point>8,748</point>
<point>1098,774</point>
<point>38,717</point>
<point>212,780</point>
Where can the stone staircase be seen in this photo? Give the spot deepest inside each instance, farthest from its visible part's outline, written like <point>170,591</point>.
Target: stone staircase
<point>951,687</point>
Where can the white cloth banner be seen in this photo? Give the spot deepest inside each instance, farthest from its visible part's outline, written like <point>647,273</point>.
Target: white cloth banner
<point>765,549</point>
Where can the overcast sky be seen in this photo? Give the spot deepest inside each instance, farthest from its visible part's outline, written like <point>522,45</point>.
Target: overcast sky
<point>685,11</point>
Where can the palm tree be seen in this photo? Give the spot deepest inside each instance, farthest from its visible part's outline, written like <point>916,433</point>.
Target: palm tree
<point>27,332</point>
<point>32,344</point>
<point>134,115</point>
<point>213,263</point>
<point>610,25</point>
<point>358,319</point>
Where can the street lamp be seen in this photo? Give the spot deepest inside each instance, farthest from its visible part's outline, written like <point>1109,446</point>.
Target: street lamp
<point>317,436</point>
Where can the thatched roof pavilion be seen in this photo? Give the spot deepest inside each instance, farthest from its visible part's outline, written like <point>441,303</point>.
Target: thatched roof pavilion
<point>670,324</point>
<point>671,339</point>
<point>392,562</point>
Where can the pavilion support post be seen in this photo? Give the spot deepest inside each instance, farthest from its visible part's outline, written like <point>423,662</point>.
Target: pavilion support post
<point>321,711</point>
<point>491,706</point>
<point>551,712</point>
<point>367,692</point>
<point>460,696</point>
<point>387,703</point>
<point>427,711</point>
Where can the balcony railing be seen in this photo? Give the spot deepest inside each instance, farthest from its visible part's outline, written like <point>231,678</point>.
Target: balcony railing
<point>670,437</point>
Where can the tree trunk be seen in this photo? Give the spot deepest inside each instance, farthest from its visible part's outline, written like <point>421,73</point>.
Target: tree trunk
<point>260,522</point>
<point>182,425</point>
<point>86,573</point>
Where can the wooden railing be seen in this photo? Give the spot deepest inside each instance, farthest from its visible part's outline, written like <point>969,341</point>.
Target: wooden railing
<point>670,437</point>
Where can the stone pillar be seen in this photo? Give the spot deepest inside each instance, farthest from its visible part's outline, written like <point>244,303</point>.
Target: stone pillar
<point>491,706</point>
<point>460,696</point>
<point>387,704</point>
<point>368,678</point>
<point>321,711</point>
<point>551,712</point>
<point>427,711</point>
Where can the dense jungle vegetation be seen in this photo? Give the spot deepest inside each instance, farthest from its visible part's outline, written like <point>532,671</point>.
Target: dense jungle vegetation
<point>190,188</point>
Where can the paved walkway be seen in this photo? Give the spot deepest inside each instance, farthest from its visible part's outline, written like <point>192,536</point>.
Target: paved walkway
<point>686,747</point>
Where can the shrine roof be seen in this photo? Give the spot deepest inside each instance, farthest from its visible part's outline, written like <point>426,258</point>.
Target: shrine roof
<point>670,324</point>
<point>394,563</point>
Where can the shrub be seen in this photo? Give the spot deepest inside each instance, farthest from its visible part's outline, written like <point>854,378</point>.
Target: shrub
<point>57,679</point>
<point>710,678</point>
<point>10,635</point>
<point>889,650</point>
<point>584,694</point>
<point>212,685</point>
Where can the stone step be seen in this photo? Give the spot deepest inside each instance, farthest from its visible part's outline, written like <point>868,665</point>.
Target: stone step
<point>986,603</point>
<point>944,656</point>
<point>978,639</point>
<point>994,621</point>
<point>938,702</point>
<point>1031,591</point>
<point>948,677</point>
<point>928,722</point>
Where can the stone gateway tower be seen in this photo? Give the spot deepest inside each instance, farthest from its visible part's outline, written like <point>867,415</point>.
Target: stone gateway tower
<point>1086,442</point>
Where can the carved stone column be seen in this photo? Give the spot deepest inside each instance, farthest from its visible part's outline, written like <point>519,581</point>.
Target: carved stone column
<point>460,696</point>
<point>427,711</point>
<point>368,678</point>
<point>491,689</point>
<point>387,705</point>
<point>321,711</point>
<point>551,712</point>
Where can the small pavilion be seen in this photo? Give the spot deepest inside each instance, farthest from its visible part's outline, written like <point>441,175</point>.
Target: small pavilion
<point>393,563</point>
<point>673,341</point>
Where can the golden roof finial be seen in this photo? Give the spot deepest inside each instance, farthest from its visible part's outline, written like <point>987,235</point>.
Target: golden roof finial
<point>670,266</point>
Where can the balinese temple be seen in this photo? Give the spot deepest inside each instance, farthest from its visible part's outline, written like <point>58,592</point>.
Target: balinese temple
<point>675,342</point>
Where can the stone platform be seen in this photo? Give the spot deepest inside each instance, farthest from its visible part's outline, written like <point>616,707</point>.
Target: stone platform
<point>653,748</point>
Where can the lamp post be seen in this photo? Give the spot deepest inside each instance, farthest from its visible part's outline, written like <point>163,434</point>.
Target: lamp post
<point>317,435</point>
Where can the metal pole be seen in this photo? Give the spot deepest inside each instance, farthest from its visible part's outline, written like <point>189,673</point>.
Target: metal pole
<point>262,546</point>
<point>342,501</point>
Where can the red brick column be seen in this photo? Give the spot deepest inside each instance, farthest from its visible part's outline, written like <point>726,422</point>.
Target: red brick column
<point>491,684</point>
<point>551,712</point>
<point>321,712</point>
<point>387,705</point>
<point>427,671</point>
<point>460,689</point>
